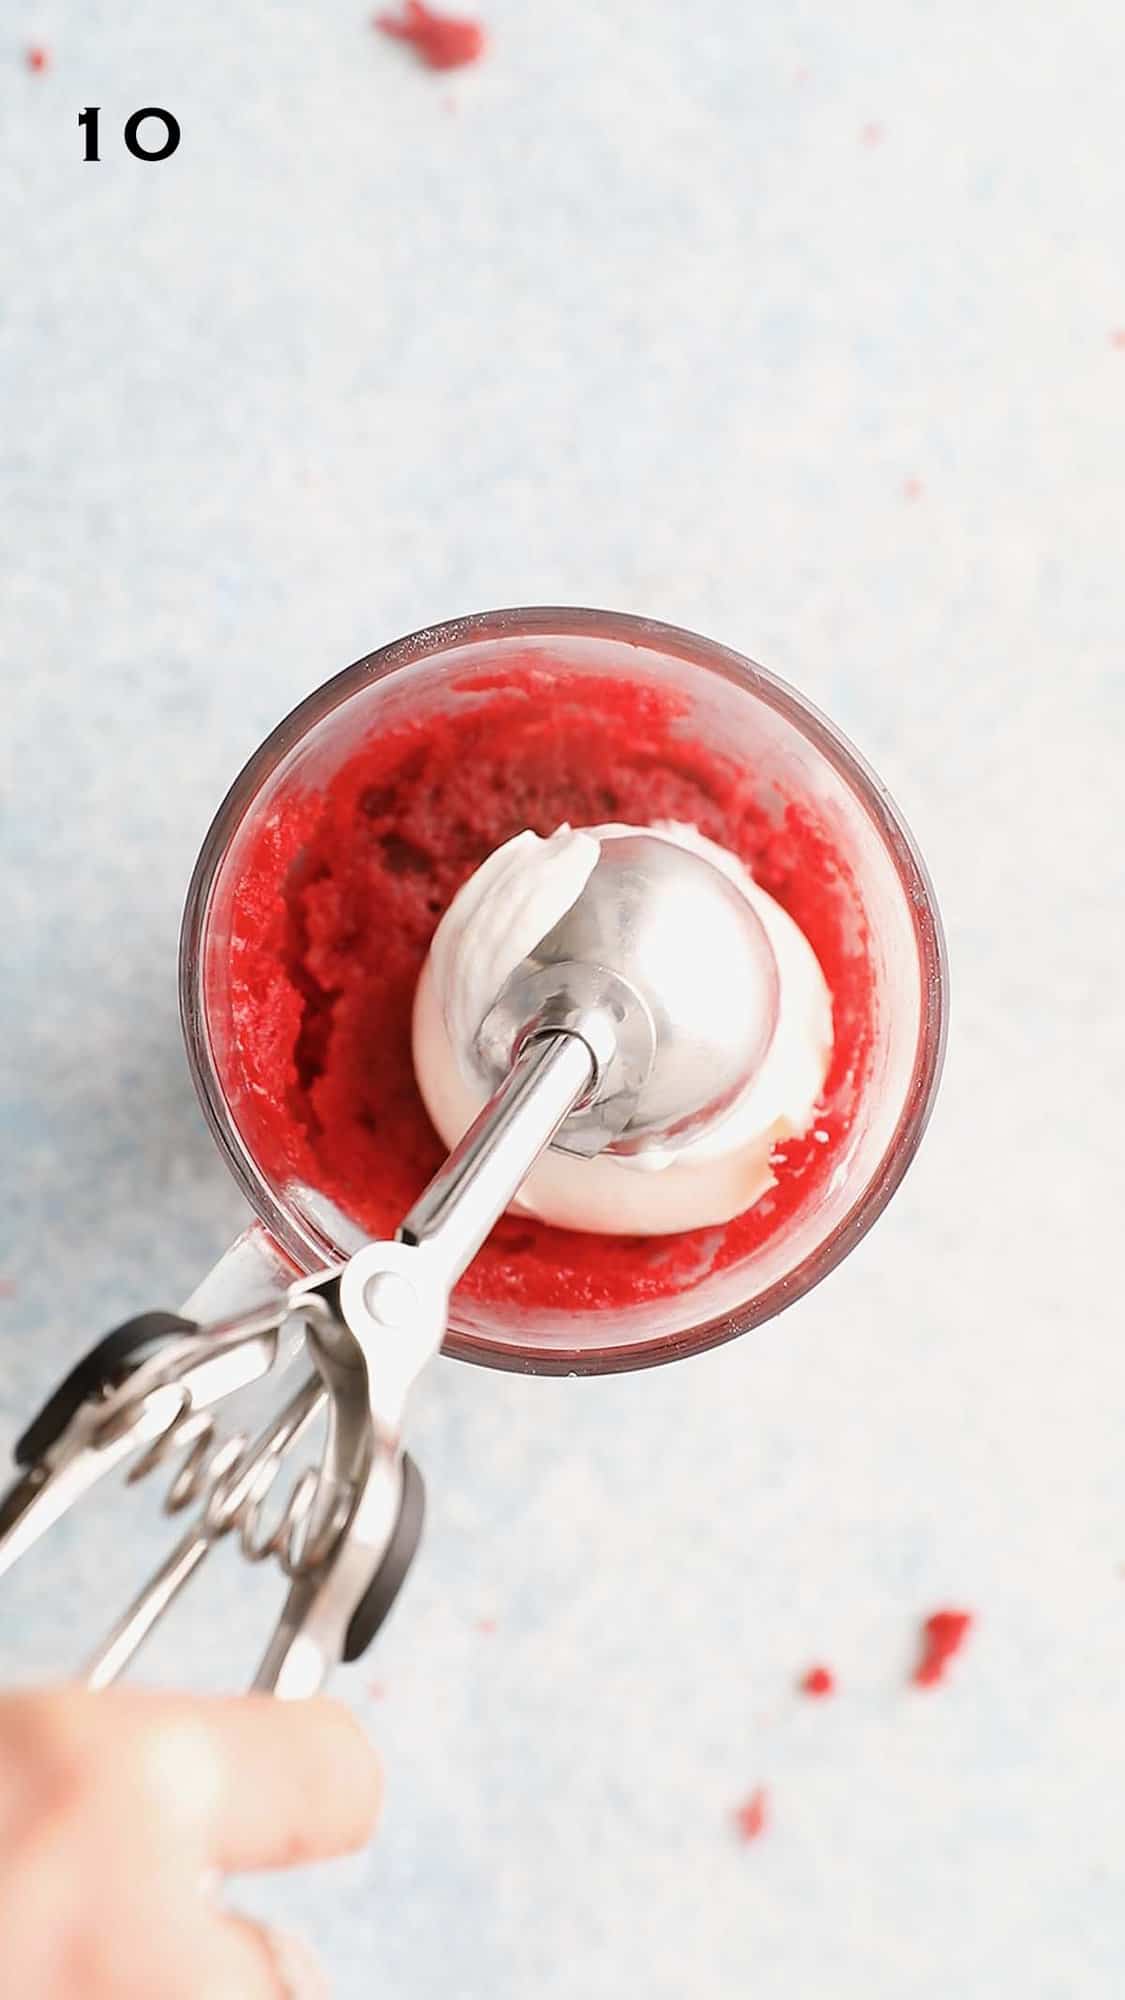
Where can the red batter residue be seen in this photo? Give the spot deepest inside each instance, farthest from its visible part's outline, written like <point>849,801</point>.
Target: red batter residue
<point>37,59</point>
<point>818,1681</point>
<point>752,1818</point>
<point>442,40</point>
<point>943,1634</point>
<point>341,894</point>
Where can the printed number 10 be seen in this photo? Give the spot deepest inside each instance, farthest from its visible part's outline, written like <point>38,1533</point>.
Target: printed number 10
<point>88,123</point>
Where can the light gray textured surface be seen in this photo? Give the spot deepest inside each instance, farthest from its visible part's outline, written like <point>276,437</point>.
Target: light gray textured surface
<point>660,309</point>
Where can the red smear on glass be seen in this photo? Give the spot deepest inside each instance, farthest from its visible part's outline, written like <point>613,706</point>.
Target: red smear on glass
<point>486,1625</point>
<point>943,1634</point>
<point>818,1681</point>
<point>752,1817</point>
<point>912,489</point>
<point>442,40</point>
<point>873,134</point>
<point>37,58</point>
<point>376,1690</point>
<point>1117,337</point>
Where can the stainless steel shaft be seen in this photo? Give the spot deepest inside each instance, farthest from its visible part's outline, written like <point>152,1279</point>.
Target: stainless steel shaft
<point>493,1159</point>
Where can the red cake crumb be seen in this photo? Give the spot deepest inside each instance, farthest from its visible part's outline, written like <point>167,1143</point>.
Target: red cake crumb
<point>342,889</point>
<point>1117,337</point>
<point>912,489</point>
<point>752,1817</point>
<point>873,134</point>
<point>943,1634</point>
<point>818,1681</point>
<point>442,40</point>
<point>486,1625</point>
<point>37,59</point>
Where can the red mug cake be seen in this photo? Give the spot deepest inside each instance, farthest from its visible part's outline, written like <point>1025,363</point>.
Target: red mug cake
<point>336,857</point>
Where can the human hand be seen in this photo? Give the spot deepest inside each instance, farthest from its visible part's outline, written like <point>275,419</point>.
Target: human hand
<point>117,1808</point>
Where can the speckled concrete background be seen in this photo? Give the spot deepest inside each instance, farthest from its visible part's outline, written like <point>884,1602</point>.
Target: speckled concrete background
<point>808,335</point>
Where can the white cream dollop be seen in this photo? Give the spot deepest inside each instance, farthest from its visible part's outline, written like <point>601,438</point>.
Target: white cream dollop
<point>499,916</point>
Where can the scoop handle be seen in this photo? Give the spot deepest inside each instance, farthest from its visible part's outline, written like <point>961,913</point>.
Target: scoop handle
<point>455,1213</point>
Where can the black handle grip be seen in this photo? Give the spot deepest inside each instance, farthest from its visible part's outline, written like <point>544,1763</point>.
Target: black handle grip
<point>117,1352</point>
<point>388,1578</point>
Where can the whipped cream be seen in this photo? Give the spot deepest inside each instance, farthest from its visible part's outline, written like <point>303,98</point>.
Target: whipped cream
<point>500,914</point>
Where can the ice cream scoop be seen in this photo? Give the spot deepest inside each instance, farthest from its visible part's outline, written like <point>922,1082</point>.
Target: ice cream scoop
<point>676,915</point>
<point>642,971</point>
<point>663,969</point>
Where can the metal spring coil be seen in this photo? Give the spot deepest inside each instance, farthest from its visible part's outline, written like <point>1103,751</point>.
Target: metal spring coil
<point>234,1483</point>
